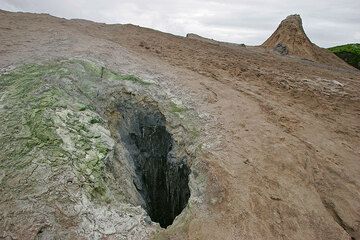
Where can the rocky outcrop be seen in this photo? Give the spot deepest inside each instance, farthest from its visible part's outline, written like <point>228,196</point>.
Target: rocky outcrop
<point>290,35</point>
<point>72,180</point>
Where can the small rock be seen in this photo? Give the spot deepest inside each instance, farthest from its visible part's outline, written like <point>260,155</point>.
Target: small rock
<point>147,219</point>
<point>281,48</point>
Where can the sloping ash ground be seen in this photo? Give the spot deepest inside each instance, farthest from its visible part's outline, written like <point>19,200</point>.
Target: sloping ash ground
<point>280,135</point>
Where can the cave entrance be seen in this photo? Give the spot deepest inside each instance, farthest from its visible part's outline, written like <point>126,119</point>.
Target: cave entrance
<point>161,177</point>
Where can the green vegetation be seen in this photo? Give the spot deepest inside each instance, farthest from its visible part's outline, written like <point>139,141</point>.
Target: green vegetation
<point>95,120</point>
<point>108,74</point>
<point>175,108</point>
<point>83,107</point>
<point>350,53</point>
<point>194,132</point>
<point>26,122</point>
<point>47,116</point>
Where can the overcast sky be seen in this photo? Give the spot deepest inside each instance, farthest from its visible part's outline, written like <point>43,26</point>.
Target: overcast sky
<point>326,22</point>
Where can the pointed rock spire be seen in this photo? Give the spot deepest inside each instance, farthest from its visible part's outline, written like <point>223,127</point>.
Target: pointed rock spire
<point>290,38</point>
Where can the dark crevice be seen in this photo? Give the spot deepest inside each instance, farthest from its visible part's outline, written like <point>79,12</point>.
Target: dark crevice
<point>161,176</point>
<point>43,233</point>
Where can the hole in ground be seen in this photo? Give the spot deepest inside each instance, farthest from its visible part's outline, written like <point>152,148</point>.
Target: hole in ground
<point>161,177</point>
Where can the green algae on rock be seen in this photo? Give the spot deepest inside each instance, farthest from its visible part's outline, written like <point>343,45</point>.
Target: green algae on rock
<point>55,147</point>
<point>57,126</point>
<point>44,115</point>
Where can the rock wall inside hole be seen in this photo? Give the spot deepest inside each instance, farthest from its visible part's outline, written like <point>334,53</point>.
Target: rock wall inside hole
<point>160,176</point>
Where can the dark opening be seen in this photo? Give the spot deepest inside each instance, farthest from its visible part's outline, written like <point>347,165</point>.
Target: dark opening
<point>161,177</point>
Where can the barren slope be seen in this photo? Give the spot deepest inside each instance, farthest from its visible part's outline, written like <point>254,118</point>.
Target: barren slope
<point>279,137</point>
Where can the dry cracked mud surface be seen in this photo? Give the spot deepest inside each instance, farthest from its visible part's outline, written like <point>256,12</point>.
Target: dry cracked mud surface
<point>271,141</point>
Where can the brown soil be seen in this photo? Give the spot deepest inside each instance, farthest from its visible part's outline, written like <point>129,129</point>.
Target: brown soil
<point>282,133</point>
